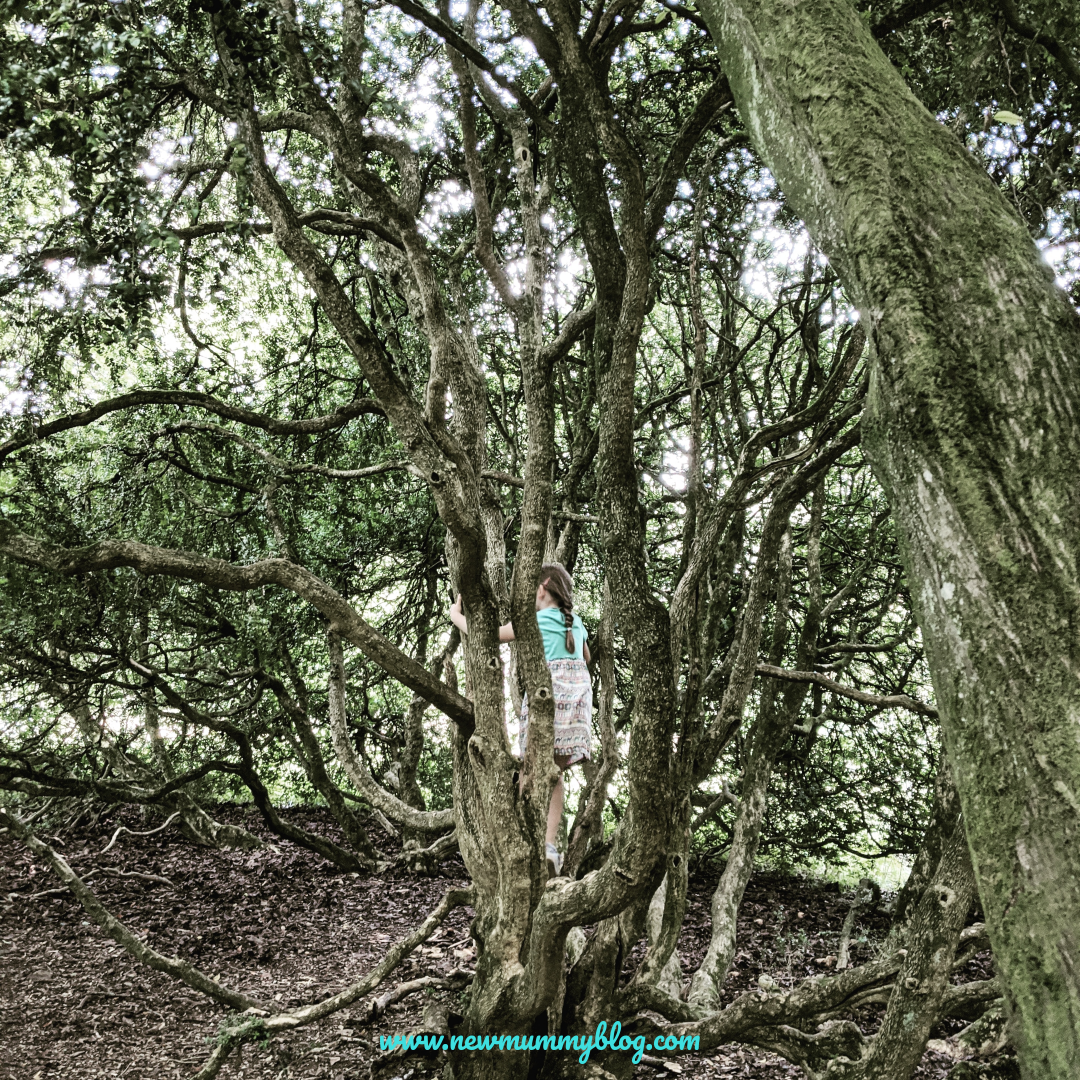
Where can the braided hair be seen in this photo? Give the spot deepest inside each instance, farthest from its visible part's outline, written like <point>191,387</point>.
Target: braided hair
<point>560,587</point>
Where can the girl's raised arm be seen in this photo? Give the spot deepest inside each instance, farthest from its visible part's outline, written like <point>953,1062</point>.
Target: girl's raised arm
<point>457,617</point>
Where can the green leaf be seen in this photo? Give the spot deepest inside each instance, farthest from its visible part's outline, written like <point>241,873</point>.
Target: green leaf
<point>1005,117</point>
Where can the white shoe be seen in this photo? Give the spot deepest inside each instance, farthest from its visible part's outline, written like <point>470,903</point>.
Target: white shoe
<point>554,856</point>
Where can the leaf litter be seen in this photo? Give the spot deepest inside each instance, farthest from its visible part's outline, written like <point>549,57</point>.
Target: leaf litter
<point>284,925</point>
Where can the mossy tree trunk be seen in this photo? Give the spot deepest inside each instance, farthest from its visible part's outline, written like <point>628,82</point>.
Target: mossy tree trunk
<point>972,422</point>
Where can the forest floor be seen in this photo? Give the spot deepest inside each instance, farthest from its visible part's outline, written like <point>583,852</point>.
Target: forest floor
<point>285,925</point>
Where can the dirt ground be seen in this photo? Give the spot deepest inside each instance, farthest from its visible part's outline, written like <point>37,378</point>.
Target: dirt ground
<point>285,925</point>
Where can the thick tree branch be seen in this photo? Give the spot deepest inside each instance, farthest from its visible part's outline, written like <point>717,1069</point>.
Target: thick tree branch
<point>153,561</point>
<point>575,324</point>
<point>189,399</point>
<point>972,431</point>
<point>812,997</point>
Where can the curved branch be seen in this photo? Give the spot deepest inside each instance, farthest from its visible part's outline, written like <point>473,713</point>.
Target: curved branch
<point>716,98</point>
<point>332,222</point>
<point>1051,45</point>
<point>285,1021</point>
<point>641,997</point>
<point>891,701</point>
<point>916,9</point>
<point>349,861</point>
<point>357,771</point>
<point>574,325</point>
<point>112,926</point>
<point>291,467</point>
<point>190,399</point>
<point>472,54</point>
<point>219,574</point>
<point>812,997</point>
<point>35,782</point>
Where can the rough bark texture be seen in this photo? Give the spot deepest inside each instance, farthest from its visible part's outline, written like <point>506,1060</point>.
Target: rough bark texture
<point>972,424</point>
<point>946,812</point>
<point>915,1002</point>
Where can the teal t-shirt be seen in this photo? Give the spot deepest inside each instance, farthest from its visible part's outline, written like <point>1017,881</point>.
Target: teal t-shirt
<point>553,630</point>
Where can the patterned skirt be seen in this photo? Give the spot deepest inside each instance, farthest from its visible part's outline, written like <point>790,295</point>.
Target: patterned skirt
<point>572,686</point>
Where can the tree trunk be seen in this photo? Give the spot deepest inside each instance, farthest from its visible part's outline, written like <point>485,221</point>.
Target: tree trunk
<point>945,813</point>
<point>972,427</point>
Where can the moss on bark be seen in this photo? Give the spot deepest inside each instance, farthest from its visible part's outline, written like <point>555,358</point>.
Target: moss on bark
<point>972,424</point>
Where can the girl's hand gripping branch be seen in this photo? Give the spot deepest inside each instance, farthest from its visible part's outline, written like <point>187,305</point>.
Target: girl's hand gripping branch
<point>457,617</point>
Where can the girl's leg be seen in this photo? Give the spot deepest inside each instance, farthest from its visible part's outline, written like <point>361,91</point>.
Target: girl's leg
<point>555,810</point>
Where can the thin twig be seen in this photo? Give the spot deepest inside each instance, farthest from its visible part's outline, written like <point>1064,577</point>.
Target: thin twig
<point>150,832</point>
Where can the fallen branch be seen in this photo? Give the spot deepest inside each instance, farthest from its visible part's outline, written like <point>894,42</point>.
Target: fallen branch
<point>216,1060</point>
<point>660,1064</point>
<point>867,894</point>
<point>149,832</point>
<point>135,874</point>
<point>455,980</point>
<point>112,926</point>
<point>440,849</point>
<point>285,1021</point>
<point>64,889</point>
